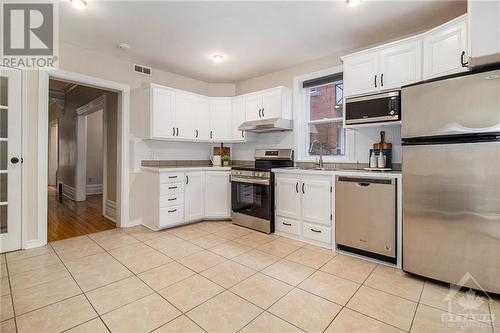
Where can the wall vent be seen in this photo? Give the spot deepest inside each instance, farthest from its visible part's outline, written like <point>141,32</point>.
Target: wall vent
<point>143,70</point>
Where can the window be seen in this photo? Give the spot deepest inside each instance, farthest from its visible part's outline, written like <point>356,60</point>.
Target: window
<point>324,120</point>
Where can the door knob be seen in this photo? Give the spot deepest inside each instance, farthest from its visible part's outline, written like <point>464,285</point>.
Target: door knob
<point>14,160</point>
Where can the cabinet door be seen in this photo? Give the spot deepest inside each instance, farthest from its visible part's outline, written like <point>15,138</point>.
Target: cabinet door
<point>316,201</point>
<point>220,119</point>
<point>184,115</point>
<point>361,74</point>
<point>194,196</point>
<point>271,104</point>
<point>253,107</point>
<point>445,49</point>
<point>400,65</point>
<point>163,113</point>
<point>217,194</point>
<point>202,118</point>
<point>288,197</point>
<point>237,118</point>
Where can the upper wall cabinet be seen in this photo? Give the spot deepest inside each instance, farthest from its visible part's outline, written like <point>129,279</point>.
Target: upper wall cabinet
<point>445,49</point>
<point>238,117</point>
<point>384,68</point>
<point>162,113</point>
<point>220,119</point>
<point>267,104</point>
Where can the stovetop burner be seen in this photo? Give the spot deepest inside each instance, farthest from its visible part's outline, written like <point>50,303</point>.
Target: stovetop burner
<point>266,159</point>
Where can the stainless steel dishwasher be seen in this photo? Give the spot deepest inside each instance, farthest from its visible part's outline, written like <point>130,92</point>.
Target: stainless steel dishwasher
<point>365,216</point>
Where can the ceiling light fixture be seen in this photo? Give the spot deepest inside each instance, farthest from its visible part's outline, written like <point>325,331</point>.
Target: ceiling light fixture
<point>353,3</point>
<point>217,58</point>
<point>79,4</point>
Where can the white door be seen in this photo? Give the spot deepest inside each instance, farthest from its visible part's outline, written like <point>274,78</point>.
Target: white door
<point>217,195</point>
<point>202,118</point>
<point>288,197</point>
<point>194,196</point>
<point>237,118</point>
<point>163,114</point>
<point>401,64</point>
<point>253,107</point>
<point>316,201</point>
<point>271,104</point>
<point>445,50</point>
<point>361,74</point>
<point>10,159</point>
<point>220,119</point>
<point>185,116</point>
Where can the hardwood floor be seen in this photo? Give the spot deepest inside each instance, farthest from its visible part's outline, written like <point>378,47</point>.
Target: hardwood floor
<point>67,219</point>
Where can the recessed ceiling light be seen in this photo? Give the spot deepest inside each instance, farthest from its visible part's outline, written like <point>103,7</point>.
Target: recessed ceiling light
<point>79,4</point>
<point>123,46</point>
<point>218,58</point>
<point>353,3</point>
<point>491,77</point>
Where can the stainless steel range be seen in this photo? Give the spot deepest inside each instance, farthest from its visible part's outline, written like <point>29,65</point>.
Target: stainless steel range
<point>252,192</point>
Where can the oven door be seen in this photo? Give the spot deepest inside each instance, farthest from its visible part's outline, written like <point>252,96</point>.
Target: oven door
<point>374,108</point>
<point>251,204</point>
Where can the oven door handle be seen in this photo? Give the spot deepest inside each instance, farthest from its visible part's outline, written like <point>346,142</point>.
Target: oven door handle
<point>250,181</point>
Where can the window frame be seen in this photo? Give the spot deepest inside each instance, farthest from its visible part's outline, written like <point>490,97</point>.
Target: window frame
<point>302,122</point>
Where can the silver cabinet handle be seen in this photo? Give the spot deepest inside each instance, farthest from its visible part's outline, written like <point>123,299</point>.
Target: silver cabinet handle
<point>375,80</point>
<point>172,211</point>
<point>172,177</point>
<point>303,191</point>
<point>172,199</point>
<point>314,230</point>
<point>172,187</point>
<point>263,112</point>
<point>287,224</point>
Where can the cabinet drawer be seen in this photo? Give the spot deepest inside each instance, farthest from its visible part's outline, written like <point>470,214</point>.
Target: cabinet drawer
<point>171,189</point>
<point>168,178</point>
<point>171,215</point>
<point>317,233</point>
<point>287,225</point>
<point>171,200</point>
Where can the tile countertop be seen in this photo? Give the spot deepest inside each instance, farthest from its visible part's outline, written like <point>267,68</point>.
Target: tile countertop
<point>345,172</point>
<point>186,168</point>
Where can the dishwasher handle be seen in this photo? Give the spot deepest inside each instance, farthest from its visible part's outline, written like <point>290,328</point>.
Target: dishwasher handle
<point>365,182</point>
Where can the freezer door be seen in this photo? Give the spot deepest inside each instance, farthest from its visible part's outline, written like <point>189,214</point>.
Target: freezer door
<point>451,212</point>
<point>461,105</point>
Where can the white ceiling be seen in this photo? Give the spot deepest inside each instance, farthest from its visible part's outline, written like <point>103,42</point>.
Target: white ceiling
<point>254,37</point>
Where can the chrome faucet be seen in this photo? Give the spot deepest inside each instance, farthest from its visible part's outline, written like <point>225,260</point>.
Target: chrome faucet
<point>320,162</point>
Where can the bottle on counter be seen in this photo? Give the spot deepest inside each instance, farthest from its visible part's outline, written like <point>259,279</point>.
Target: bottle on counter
<point>381,160</point>
<point>373,160</point>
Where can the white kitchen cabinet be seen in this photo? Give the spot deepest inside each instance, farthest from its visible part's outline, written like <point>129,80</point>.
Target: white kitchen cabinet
<point>361,73</point>
<point>220,119</point>
<point>162,111</point>
<point>185,116</point>
<point>400,64</point>
<point>270,103</point>
<point>237,118</point>
<point>201,118</point>
<point>304,207</point>
<point>288,197</point>
<point>484,32</point>
<point>445,49</point>
<point>194,196</point>
<point>217,195</point>
<point>316,201</point>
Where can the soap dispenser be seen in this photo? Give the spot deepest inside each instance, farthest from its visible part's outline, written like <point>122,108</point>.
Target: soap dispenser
<point>373,160</point>
<point>381,160</point>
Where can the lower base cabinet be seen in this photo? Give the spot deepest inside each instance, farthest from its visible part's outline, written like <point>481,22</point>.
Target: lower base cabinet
<point>182,197</point>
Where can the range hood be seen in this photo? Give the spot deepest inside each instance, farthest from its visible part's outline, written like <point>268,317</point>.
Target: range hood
<point>266,125</point>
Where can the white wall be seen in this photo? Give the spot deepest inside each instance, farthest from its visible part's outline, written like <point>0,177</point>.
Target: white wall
<point>94,148</point>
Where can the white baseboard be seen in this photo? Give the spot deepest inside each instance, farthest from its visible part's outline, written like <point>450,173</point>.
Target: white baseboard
<point>29,244</point>
<point>69,191</point>
<point>134,222</point>
<point>110,210</point>
<point>94,189</point>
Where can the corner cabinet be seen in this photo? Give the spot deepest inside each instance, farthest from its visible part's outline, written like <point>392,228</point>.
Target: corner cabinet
<point>220,119</point>
<point>238,117</point>
<point>218,194</point>
<point>445,49</point>
<point>304,207</point>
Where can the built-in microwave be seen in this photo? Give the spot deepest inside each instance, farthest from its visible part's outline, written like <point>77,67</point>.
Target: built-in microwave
<point>373,108</point>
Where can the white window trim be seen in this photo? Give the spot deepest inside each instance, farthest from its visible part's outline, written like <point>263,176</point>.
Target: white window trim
<point>300,117</point>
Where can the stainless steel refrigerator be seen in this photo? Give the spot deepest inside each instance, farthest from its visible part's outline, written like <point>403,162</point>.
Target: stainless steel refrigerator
<point>451,179</point>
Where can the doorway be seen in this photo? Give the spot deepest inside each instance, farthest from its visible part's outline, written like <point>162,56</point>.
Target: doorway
<point>82,159</point>
<point>10,158</point>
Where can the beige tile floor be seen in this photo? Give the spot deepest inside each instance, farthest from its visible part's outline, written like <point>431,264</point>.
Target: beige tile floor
<point>216,277</point>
